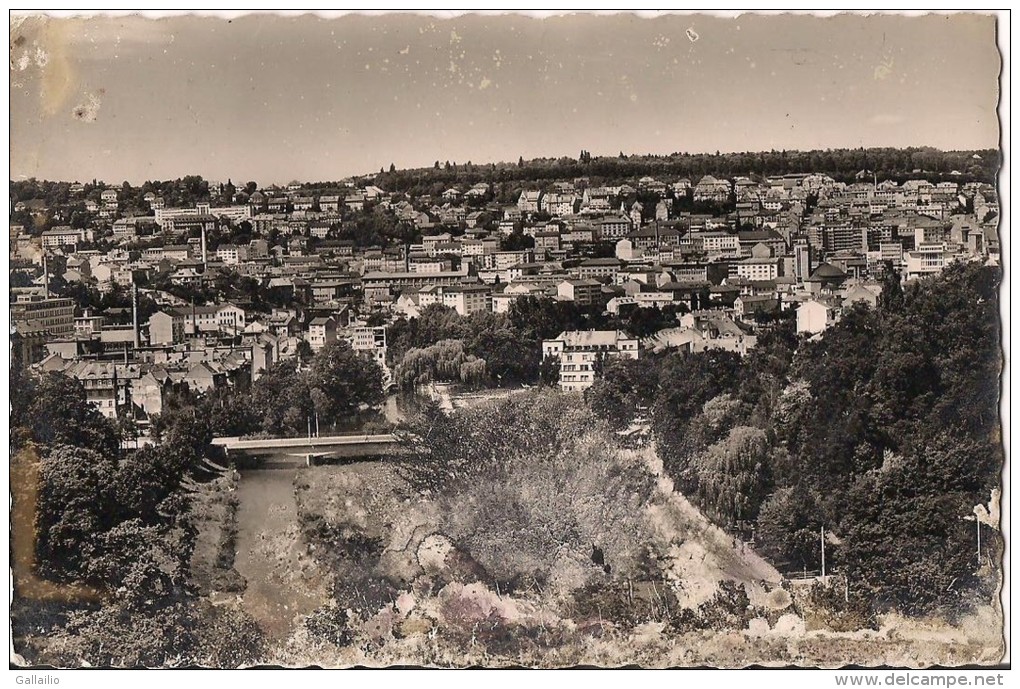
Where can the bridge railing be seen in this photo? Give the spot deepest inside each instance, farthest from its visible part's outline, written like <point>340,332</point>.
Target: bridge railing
<point>331,434</point>
<point>236,443</point>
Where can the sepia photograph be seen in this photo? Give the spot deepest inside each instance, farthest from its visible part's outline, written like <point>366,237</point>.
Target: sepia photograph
<point>507,340</point>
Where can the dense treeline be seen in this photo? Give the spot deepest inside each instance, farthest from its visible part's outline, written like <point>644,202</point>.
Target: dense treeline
<point>185,191</point>
<point>336,388</point>
<point>884,433</point>
<point>841,164</point>
<point>124,522</point>
<point>118,522</point>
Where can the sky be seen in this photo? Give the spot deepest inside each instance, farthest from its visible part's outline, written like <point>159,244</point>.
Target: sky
<point>274,99</point>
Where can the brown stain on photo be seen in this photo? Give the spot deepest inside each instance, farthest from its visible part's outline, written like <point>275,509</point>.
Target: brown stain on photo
<point>58,78</point>
<point>39,60</point>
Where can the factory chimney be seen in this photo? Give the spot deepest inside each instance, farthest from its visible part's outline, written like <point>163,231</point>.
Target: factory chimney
<point>134,313</point>
<point>203,249</point>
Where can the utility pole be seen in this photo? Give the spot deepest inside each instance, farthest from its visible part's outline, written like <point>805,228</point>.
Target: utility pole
<point>134,313</point>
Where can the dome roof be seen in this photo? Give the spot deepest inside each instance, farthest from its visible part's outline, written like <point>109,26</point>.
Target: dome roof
<point>827,271</point>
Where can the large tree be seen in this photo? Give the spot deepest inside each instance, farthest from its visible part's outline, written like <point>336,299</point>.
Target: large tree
<point>343,382</point>
<point>52,409</point>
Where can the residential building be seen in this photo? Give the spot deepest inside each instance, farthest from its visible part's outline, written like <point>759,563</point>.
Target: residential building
<point>62,236</point>
<point>232,254</point>
<point>583,292</point>
<point>467,299</point>
<point>613,227</point>
<point>816,315</point>
<point>321,331</point>
<point>166,327</point>
<point>529,201</point>
<point>596,268</point>
<point>927,259</point>
<point>372,342</point>
<point>581,354</point>
<point>52,315</point>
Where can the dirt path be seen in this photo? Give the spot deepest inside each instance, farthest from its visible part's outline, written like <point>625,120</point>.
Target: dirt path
<point>702,554</point>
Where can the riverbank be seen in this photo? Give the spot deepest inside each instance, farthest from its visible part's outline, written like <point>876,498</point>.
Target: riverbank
<point>403,594</point>
<point>213,514</point>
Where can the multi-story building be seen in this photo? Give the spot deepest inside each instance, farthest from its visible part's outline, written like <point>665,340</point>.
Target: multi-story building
<point>62,236</point>
<point>107,385</point>
<point>232,254</point>
<point>54,315</point>
<point>177,219</point>
<point>468,299</point>
<point>166,327</point>
<point>372,342</point>
<point>581,354</point>
<point>755,268</point>
<point>530,201</point>
<point>377,283</point>
<point>584,292</point>
<point>927,259</point>
<point>613,227</point>
<point>816,315</point>
<point>709,188</point>
<point>321,331</point>
<point>720,243</point>
<point>596,268</point>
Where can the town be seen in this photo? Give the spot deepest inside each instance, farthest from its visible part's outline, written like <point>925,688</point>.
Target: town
<point>624,398</point>
<point>559,339</point>
<point>139,290</point>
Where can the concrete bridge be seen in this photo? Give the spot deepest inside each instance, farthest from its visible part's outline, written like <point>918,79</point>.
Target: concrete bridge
<point>306,450</point>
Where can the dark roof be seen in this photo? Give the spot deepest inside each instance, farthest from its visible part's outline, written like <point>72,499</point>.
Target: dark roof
<point>827,271</point>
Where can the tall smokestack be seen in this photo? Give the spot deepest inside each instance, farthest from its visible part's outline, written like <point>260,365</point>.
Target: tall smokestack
<point>134,312</point>
<point>45,277</point>
<point>203,248</point>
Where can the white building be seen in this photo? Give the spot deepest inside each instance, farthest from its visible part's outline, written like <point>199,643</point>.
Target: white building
<point>814,316</point>
<point>758,268</point>
<point>321,331</point>
<point>927,259</point>
<point>467,299</point>
<point>62,236</point>
<point>371,341</point>
<point>581,353</point>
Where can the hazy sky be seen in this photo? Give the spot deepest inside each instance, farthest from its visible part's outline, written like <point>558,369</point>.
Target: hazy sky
<point>273,99</point>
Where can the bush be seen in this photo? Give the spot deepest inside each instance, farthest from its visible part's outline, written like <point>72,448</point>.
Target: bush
<point>535,483</point>
<point>729,609</point>
<point>830,604</point>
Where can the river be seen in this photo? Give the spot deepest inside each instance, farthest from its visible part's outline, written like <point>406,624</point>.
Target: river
<point>283,580</point>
